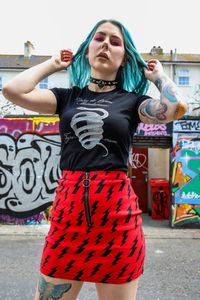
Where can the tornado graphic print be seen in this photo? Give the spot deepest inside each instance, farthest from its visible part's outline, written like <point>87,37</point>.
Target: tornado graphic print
<point>88,127</point>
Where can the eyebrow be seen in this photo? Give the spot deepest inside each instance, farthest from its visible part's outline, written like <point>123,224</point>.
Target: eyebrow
<point>113,35</point>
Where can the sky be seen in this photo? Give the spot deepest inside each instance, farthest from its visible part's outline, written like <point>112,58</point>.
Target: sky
<point>52,25</point>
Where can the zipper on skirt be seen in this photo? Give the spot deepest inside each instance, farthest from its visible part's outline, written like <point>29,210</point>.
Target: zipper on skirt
<point>86,184</point>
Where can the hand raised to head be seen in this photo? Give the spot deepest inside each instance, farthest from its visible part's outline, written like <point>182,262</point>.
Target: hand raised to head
<point>63,59</point>
<point>154,70</point>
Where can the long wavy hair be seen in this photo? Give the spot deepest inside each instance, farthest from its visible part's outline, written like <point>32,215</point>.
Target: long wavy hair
<point>130,77</point>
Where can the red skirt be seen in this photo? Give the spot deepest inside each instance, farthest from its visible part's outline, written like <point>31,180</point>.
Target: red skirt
<point>96,229</point>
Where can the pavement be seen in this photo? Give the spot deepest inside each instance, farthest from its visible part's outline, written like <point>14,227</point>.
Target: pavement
<point>172,270</point>
<point>152,229</point>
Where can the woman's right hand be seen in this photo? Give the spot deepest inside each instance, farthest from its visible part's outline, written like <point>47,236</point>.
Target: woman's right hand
<point>22,91</point>
<point>63,59</point>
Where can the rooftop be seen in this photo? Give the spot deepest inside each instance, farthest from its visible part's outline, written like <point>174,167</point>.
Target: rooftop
<point>28,59</point>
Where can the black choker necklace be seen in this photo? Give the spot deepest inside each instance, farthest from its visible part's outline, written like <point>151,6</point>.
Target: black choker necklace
<point>101,83</point>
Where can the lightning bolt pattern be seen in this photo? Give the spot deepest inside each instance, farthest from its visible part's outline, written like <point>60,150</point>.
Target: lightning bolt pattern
<point>112,249</point>
<point>110,192</point>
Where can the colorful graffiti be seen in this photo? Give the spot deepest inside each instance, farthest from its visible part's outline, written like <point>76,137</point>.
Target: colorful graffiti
<point>186,173</point>
<point>29,168</point>
<point>154,129</point>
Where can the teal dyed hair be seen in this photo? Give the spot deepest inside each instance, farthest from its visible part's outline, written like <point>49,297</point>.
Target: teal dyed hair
<point>130,77</point>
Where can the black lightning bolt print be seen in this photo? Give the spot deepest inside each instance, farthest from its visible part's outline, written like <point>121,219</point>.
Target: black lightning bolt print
<point>118,176</point>
<point>129,214</point>
<point>94,177</point>
<point>78,184</point>
<point>114,225</point>
<point>79,274</point>
<point>74,237</point>
<point>123,270</point>
<point>130,276</point>
<point>99,237</point>
<point>119,204</point>
<point>117,258</point>
<point>107,250</point>
<point>68,224</point>
<point>96,269</point>
<point>139,253</point>
<point>57,243</point>
<point>46,260</point>
<point>61,187</point>
<point>141,265</point>
<point>69,265</point>
<point>101,186</point>
<point>122,185</point>
<point>89,229</point>
<point>105,217</point>
<point>81,247</point>
<point>60,215</point>
<point>94,207</point>
<point>46,244</point>
<point>66,193</point>
<point>106,277</point>
<point>125,236</point>
<point>54,231</point>
<point>56,203</point>
<point>133,247</point>
<point>63,252</point>
<point>53,270</point>
<point>90,255</point>
<point>80,217</point>
<point>110,191</point>
<point>71,207</point>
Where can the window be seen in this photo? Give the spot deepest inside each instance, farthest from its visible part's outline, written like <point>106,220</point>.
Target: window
<point>43,83</point>
<point>183,77</point>
<point>0,83</point>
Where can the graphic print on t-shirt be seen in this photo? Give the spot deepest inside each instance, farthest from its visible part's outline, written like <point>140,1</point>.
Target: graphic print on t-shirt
<point>88,127</point>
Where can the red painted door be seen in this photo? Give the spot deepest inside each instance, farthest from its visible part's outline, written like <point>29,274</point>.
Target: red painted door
<point>139,176</point>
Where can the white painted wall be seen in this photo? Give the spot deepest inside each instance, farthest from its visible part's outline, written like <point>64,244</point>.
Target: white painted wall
<point>59,79</point>
<point>188,92</point>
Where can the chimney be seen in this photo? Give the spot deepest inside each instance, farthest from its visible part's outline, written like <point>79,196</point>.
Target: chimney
<point>28,49</point>
<point>153,51</point>
<point>156,51</point>
<point>159,50</point>
<point>175,55</point>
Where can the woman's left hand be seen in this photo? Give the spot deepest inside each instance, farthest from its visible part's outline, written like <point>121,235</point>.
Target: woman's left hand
<point>154,71</point>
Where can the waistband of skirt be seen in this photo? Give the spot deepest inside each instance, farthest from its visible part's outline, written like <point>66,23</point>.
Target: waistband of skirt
<point>99,174</point>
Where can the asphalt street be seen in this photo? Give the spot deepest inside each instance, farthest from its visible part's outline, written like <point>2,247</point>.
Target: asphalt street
<point>172,265</point>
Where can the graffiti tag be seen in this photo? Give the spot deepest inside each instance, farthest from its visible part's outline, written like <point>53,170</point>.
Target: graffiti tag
<point>187,126</point>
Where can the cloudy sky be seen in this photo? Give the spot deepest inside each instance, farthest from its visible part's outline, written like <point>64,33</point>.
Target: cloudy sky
<point>54,24</point>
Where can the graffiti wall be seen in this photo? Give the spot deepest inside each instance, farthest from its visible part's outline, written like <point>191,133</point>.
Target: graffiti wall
<point>29,168</point>
<point>154,129</point>
<point>186,173</point>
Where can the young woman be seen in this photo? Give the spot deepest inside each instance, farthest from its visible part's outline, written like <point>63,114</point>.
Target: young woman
<point>96,227</point>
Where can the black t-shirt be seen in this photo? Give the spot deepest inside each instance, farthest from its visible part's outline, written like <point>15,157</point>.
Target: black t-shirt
<point>96,128</point>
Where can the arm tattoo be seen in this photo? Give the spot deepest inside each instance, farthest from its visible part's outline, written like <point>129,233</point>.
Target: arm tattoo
<point>170,106</point>
<point>168,89</point>
<point>154,110</point>
<point>52,291</point>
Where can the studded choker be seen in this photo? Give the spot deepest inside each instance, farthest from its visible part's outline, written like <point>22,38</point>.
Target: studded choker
<point>101,83</point>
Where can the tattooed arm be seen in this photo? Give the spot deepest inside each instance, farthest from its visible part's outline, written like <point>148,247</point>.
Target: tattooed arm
<point>170,106</point>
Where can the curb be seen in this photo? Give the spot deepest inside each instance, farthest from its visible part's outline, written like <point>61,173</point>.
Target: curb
<point>158,231</point>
